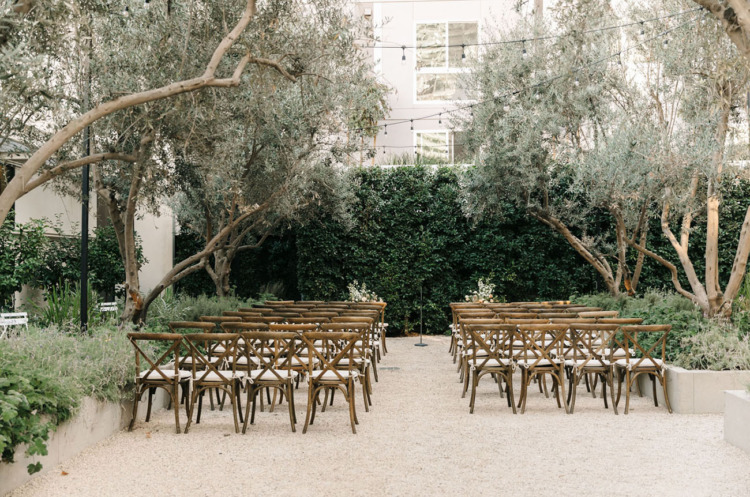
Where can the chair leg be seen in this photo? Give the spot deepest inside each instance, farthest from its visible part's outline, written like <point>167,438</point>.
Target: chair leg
<point>663,380</point>
<point>627,391</point>
<point>509,391</point>
<point>610,379</point>
<point>150,400</point>
<point>310,404</point>
<point>315,404</point>
<point>561,386</point>
<point>135,408</point>
<point>173,395</point>
<point>474,383</point>
<point>189,422</point>
<point>653,389</point>
<point>604,391</point>
<point>350,399</point>
<point>257,392</point>
<point>248,394</point>
<point>235,407</point>
<point>200,405</point>
<point>573,385</point>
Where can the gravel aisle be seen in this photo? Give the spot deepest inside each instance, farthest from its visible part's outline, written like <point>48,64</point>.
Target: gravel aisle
<point>418,439</point>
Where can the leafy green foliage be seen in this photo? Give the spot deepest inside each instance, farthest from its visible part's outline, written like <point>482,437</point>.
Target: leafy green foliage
<point>21,257</point>
<point>408,232</point>
<point>170,307</point>
<point>44,374</point>
<point>695,342</point>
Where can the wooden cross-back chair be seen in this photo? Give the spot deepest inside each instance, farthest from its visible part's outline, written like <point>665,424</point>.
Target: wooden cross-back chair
<point>541,354</point>
<point>456,309</point>
<point>272,352</point>
<point>160,372</point>
<point>361,354</point>
<point>185,327</point>
<point>459,314</point>
<point>380,307</point>
<point>641,360</point>
<point>299,360</point>
<point>210,372</point>
<point>586,355</point>
<point>465,346</point>
<point>328,375</point>
<point>491,354</point>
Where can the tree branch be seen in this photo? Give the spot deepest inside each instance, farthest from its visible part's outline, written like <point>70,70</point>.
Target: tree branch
<point>67,166</point>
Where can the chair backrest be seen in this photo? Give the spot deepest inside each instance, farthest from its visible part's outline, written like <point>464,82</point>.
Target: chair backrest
<point>556,315</point>
<point>14,319</point>
<point>541,342</point>
<point>308,320</point>
<point>204,365</point>
<point>526,321</point>
<point>278,303</point>
<point>271,351</point>
<point>362,347</point>
<point>345,341</point>
<point>519,315</point>
<point>620,320</point>
<point>320,314</point>
<point>573,320</point>
<point>218,320</point>
<point>598,314</point>
<point>244,326</point>
<point>309,302</point>
<point>157,365</point>
<point>107,306</point>
<point>190,326</point>
<point>648,357</point>
<point>589,342</point>
<point>493,340</point>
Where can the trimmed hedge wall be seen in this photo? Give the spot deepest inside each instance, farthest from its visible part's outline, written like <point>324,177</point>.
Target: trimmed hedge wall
<point>408,232</point>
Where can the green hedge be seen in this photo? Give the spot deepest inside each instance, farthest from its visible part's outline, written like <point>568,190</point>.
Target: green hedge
<point>409,232</point>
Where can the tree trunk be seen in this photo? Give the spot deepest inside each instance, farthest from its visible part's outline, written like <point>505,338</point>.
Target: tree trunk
<point>597,260</point>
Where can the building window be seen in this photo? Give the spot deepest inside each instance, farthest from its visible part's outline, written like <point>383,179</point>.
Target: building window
<point>441,146</point>
<point>440,59</point>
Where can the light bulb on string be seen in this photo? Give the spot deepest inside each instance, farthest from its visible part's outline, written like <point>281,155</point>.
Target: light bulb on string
<point>125,11</point>
<point>411,126</point>
<point>576,82</point>
<point>403,54</point>
<point>385,130</point>
<point>666,42</point>
<point>463,53</point>
<point>523,49</point>
<point>146,3</point>
<point>440,119</point>
<point>643,31</point>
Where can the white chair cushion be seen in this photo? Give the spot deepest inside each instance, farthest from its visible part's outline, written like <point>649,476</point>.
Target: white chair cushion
<point>330,375</point>
<point>215,378</point>
<point>492,363</point>
<point>592,363</point>
<point>169,373</point>
<point>644,363</point>
<point>542,362</point>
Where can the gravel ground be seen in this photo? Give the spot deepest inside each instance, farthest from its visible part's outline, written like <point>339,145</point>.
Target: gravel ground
<point>418,439</point>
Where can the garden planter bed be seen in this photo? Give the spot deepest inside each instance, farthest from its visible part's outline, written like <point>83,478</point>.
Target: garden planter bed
<point>696,392</point>
<point>737,419</point>
<point>94,422</point>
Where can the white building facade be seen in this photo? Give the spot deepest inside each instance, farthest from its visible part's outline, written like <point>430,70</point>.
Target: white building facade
<point>422,50</point>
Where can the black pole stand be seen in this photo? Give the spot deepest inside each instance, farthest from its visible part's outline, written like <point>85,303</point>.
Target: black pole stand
<point>420,344</point>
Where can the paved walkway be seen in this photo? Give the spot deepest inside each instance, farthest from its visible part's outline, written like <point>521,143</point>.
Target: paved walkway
<point>418,439</point>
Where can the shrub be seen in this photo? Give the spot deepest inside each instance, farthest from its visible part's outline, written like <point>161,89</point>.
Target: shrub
<point>44,375</point>
<point>717,346</point>
<point>170,307</point>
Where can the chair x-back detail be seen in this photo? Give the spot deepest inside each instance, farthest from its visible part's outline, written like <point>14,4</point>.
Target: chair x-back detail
<point>209,371</point>
<point>161,372</point>
<point>589,344</point>
<point>272,351</point>
<point>642,360</point>
<point>491,347</point>
<point>329,375</point>
<point>542,354</point>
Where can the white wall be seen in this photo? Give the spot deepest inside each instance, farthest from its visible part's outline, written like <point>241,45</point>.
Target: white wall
<point>398,20</point>
<point>157,236</point>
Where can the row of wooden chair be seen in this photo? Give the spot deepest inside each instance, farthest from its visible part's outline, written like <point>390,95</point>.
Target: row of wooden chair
<point>596,343</point>
<point>254,356</point>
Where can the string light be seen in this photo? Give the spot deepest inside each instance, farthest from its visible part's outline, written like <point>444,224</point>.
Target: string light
<point>403,54</point>
<point>551,79</point>
<point>125,11</point>
<point>666,42</point>
<point>523,51</point>
<point>463,52</point>
<point>440,119</point>
<point>643,31</point>
<point>385,130</point>
<point>146,3</point>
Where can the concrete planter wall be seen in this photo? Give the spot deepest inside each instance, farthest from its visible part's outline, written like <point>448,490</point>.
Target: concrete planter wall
<point>94,422</point>
<point>696,392</point>
<point>737,419</point>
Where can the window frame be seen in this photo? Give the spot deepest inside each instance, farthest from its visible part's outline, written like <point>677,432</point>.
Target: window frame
<point>446,69</point>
